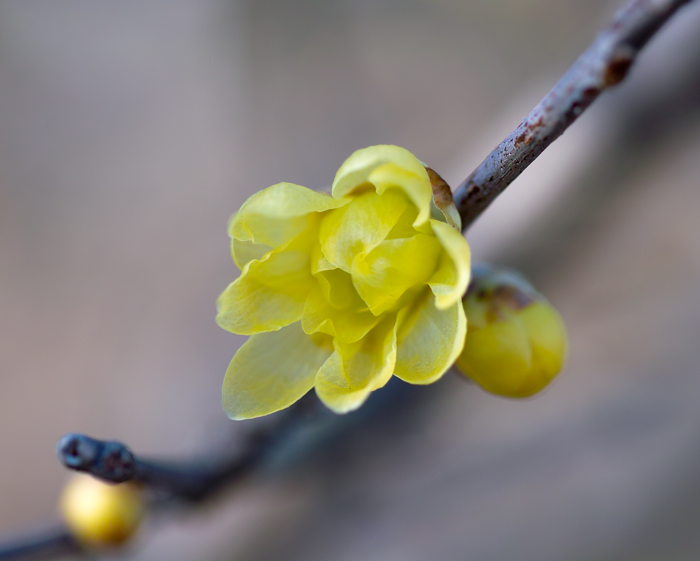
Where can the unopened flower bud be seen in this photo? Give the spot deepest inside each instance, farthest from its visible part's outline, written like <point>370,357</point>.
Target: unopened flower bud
<point>516,341</point>
<point>101,514</point>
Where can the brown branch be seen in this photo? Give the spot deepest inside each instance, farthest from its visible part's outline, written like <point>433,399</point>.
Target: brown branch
<point>195,479</point>
<point>603,65</point>
<point>43,543</point>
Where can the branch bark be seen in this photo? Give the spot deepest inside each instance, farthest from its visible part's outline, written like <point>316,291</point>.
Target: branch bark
<point>42,544</point>
<point>191,480</point>
<point>603,65</point>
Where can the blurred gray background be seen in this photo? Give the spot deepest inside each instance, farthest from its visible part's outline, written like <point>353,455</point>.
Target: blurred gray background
<point>130,131</point>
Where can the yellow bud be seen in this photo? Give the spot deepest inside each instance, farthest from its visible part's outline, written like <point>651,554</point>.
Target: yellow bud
<point>101,514</point>
<point>516,342</point>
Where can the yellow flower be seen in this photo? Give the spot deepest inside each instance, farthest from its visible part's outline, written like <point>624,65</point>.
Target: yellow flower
<point>517,341</point>
<point>340,292</point>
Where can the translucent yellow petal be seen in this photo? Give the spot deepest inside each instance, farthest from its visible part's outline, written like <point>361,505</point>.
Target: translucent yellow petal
<point>244,251</point>
<point>339,291</point>
<point>274,216</point>
<point>269,294</point>
<point>430,340</point>
<point>385,273</point>
<point>450,281</point>
<point>416,186</point>
<point>333,389</point>
<point>347,326</point>
<point>353,371</point>
<point>360,226</point>
<point>404,225</point>
<point>271,371</point>
<point>386,167</point>
<point>319,261</point>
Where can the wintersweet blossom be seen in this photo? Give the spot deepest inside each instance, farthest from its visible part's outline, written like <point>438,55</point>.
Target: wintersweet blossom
<point>340,292</point>
<point>517,341</point>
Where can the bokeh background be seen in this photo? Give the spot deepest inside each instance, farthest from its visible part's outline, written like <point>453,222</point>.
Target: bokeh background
<point>130,131</point>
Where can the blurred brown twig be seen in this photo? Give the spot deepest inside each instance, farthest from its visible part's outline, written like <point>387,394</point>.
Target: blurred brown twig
<point>192,480</point>
<point>40,544</point>
<point>603,65</point>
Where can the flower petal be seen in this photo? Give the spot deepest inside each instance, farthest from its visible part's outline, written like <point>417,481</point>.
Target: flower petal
<point>355,370</point>
<point>274,216</point>
<point>347,326</point>
<point>319,262</point>
<point>339,291</point>
<point>430,340</point>
<point>244,251</point>
<point>271,371</point>
<point>386,167</point>
<point>360,226</point>
<point>385,273</point>
<point>450,281</point>
<point>404,225</point>
<point>270,293</point>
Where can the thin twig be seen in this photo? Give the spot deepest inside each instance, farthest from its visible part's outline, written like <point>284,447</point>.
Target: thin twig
<point>603,65</point>
<point>193,480</point>
<point>50,542</point>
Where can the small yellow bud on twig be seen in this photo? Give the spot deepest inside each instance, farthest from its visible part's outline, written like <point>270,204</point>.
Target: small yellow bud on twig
<point>101,514</point>
<point>516,341</point>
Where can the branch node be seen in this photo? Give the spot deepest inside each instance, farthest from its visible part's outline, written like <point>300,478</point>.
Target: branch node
<point>111,461</point>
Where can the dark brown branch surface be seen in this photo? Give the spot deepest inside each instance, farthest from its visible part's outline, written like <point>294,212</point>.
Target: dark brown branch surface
<point>45,543</point>
<point>191,480</point>
<point>603,65</point>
